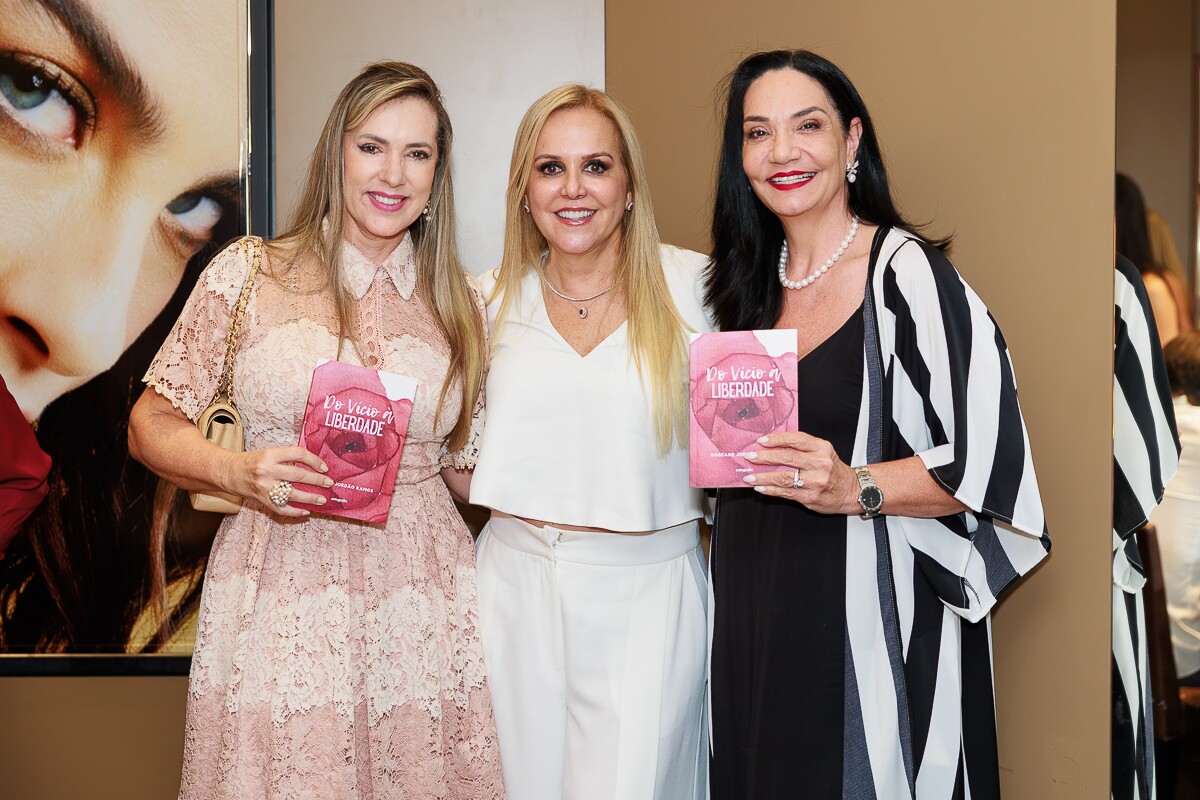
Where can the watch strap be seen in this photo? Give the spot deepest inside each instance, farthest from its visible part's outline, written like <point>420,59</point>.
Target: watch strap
<point>864,477</point>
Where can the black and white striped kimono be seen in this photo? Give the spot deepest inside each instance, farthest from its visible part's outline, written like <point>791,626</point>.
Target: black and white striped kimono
<point>920,712</point>
<point>1145,457</point>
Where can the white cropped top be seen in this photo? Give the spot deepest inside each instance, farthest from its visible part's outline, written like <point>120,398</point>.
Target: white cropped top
<point>570,439</point>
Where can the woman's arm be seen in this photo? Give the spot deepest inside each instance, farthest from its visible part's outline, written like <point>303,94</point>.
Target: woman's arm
<point>831,487</point>
<point>458,481</point>
<point>171,446</point>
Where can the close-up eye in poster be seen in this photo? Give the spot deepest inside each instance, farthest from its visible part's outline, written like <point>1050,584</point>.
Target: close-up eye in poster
<point>123,142</point>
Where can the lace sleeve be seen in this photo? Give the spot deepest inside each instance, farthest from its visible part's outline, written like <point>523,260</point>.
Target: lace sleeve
<point>188,364</point>
<point>466,457</point>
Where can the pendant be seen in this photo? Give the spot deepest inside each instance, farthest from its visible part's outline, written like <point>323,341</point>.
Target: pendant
<point>583,313</point>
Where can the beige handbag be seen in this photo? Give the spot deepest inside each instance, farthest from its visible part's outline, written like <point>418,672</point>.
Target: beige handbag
<point>221,423</point>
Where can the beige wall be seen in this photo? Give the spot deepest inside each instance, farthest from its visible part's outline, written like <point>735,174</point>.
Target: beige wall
<point>1155,106</point>
<point>91,738</point>
<point>1011,152</point>
<point>1002,132</point>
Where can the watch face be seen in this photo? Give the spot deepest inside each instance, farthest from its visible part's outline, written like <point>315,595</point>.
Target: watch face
<point>870,498</point>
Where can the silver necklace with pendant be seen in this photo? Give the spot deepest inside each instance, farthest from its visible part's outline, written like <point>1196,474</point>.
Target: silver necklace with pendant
<point>575,300</point>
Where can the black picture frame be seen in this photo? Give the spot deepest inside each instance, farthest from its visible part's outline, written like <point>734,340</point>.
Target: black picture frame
<point>261,74</point>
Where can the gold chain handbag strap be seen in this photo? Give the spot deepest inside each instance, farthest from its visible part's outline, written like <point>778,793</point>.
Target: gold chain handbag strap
<point>225,384</point>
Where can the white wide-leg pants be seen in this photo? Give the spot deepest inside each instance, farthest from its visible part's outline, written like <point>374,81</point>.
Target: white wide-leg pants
<point>596,650</point>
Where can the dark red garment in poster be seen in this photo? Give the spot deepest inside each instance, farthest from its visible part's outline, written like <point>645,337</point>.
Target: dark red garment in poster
<point>23,468</point>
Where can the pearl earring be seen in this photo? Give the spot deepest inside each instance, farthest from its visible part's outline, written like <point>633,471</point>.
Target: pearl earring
<point>427,213</point>
<point>852,172</point>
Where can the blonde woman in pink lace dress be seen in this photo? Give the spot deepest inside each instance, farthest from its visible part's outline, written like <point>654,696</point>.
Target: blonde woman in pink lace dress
<point>336,659</point>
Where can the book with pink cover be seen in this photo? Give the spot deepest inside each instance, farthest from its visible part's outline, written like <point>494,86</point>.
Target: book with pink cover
<point>743,386</point>
<point>355,421</point>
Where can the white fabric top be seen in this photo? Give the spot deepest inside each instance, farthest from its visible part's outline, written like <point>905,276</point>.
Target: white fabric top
<point>1178,524</point>
<point>570,439</point>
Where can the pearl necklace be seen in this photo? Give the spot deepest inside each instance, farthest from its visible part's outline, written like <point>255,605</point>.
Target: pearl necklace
<point>800,284</point>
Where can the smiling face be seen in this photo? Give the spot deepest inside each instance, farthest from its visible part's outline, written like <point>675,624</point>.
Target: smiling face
<point>794,151</point>
<point>119,140</point>
<point>388,165</point>
<point>578,185</point>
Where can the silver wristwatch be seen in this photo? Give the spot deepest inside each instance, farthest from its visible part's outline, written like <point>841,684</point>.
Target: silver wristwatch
<point>870,497</point>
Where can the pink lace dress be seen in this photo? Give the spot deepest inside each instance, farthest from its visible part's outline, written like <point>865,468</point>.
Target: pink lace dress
<point>333,659</point>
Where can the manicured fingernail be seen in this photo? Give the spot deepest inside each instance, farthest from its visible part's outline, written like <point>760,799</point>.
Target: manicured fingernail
<point>750,455</point>
<point>750,479</point>
<point>760,488</point>
<point>328,482</point>
<point>320,501</point>
<point>304,512</point>
<point>324,468</point>
<point>762,440</point>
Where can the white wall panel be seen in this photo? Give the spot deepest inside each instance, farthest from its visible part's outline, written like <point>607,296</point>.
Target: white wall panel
<point>491,60</point>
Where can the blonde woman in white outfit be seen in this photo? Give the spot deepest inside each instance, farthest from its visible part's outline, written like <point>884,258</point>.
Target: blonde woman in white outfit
<point>591,577</point>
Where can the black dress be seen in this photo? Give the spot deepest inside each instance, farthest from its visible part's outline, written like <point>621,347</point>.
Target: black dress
<point>779,578</point>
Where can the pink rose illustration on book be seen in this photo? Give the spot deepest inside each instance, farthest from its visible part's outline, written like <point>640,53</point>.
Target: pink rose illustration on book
<point>355,421</point>
<point>743,385</point>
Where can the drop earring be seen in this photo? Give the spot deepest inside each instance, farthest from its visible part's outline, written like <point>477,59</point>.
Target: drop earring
<point>852,172</point>
<point>427,213</point>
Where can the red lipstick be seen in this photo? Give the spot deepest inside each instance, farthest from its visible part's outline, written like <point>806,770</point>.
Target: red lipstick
<point>790,185</point>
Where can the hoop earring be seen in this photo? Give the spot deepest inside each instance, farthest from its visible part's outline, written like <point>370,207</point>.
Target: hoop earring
<point>526,207</point>
<point>852,172</point>
<point>629,206</point>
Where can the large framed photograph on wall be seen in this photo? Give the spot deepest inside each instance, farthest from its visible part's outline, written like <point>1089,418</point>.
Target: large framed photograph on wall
<point>125,139</point>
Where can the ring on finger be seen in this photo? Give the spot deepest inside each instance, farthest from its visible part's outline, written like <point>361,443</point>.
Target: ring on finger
<point>280,493</point>
<point>797,481</point>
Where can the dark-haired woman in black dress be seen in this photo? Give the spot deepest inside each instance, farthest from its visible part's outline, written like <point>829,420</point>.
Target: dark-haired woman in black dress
<point>851,652</point>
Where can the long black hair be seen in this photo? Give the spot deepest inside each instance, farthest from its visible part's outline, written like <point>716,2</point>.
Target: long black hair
<point>743,288</point>
<point>1133,235</point>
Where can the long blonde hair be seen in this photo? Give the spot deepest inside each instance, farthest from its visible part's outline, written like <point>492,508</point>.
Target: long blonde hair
<point>657,332</point>
<point>441,280</point>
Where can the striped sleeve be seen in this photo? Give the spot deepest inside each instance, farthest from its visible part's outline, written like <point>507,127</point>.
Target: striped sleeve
<point>1145,446</point>
<point>954,405</point>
